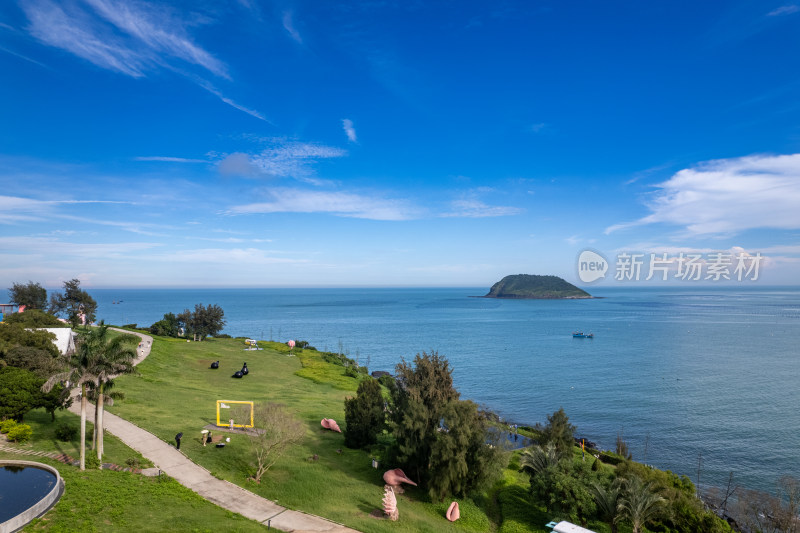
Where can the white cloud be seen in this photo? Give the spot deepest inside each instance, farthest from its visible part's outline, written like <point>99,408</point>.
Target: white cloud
<point>130,38</point>
<point>168,159</point>
<point>349,130</point>
<point>284,158</point>
<point>288,25</point>
<point>216,92</point>
<point>285,200</point>
<point>473,208</point>
<point>728,196</point>
<point>784,10</point>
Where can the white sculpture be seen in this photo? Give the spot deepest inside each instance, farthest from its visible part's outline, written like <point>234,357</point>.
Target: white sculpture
<point>390,503</point>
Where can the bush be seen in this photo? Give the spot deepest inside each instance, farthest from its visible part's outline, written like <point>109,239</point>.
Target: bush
<point>92,461</point>
<point>20,433</point>
<point>7,425</point>
<point>386,381</point>
<point>610,458</point>
<point>129,326</point>
<point>66,432</point>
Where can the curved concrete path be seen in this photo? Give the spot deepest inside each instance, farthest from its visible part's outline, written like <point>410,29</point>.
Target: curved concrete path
<point>193,476</point>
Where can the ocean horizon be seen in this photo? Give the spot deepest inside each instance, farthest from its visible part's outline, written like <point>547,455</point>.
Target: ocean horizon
<point>689,376</point>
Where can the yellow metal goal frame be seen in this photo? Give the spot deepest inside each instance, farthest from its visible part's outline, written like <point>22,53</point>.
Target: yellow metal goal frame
<point>227,405</point>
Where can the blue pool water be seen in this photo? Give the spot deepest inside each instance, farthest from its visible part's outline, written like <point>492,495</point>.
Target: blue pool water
<point>21,487</point>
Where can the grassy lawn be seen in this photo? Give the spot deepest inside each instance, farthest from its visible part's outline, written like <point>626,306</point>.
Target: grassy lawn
<point>176,391</point>
<point>108,501</point>
<point>44,439</point>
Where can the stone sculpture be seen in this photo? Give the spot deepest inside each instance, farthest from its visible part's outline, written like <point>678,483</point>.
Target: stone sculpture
<point>390,503</point>
<point>237,374</point>
<point>453,513</point>
<point>215,364</point>
<point>245,371</point>
<point>330,423</point>
<point>395,478</point>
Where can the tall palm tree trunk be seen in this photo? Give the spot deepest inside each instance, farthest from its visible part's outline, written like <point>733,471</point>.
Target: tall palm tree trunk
<point>83,426</point>
<point>99,426</point>
<point>94,431</point>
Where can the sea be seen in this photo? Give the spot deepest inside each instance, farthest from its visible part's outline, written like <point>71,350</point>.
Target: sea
<point>702,381</point>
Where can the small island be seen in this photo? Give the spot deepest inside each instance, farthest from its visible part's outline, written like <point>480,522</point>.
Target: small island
<point>533,287</point>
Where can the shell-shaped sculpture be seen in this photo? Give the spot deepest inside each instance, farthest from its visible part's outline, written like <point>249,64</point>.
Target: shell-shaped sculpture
<point>390,504</point>
<point>396,476</point>
<point>330,423</point>
<point>453,513</point>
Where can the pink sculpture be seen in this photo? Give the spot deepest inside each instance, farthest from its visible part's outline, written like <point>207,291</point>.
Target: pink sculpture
<point>330,423</point>
<point>453,513</point>
<point>290,344</point>
<point>390,503</point>
<point>395,477</point>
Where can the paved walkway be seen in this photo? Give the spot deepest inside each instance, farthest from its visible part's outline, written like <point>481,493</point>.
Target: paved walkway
<point>223,493</point>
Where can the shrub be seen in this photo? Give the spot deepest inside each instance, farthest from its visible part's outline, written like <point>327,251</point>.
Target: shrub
<point>129,326</point>
<point>92,461</point>
<point>610,458</point>
<point>7,425</point>
<point>66,432</point>
<point>386,381</point>
<point>20,433</point>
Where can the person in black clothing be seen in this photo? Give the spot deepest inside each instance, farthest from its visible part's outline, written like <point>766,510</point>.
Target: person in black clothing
<point>178,440</point>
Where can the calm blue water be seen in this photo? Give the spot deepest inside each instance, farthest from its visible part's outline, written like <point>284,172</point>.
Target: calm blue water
<point>711,371</point>
<point>21,487</point>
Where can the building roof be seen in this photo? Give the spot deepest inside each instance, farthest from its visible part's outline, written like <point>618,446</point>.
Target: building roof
<point>568,527</point>
<point>65,339</point>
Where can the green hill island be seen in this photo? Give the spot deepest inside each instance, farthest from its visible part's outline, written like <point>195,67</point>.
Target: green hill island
<point>533,287</point>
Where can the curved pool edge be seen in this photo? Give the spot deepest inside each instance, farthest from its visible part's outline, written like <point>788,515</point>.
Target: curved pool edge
<point>40,507</point>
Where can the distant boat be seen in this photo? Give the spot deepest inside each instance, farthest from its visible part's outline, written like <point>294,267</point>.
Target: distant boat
<point>582,335</point>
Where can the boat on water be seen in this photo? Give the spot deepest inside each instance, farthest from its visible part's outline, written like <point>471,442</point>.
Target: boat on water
<point>582,335</point>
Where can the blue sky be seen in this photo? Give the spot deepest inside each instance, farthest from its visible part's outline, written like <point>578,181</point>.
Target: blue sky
<point>252,143</point>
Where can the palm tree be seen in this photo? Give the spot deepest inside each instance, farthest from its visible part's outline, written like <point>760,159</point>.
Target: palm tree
<point>93,394</point>
<point>607,500</point>
<point>80,372</point>
<point>96,360</point>
<point>112,357</point>
<point>639,503</point>
<point>538,459</point>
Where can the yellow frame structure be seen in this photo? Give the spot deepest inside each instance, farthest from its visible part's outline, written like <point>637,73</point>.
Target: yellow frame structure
<point>252,408</point>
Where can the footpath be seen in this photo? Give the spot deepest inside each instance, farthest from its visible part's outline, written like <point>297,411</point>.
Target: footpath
<point>193,476</point>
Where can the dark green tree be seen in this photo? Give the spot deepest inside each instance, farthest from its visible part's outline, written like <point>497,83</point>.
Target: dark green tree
<point>32,295</point>
<point>560,432</point>
<point>40,362</point>
<point>75,304</point>
<point>202,322</point>
<point>565,489</point>
<point>19,392</point>
<point>34,318</point>
<point>13,335</point>
<point>364,415</point>
<point>168,326</point>
<point>439,440</point>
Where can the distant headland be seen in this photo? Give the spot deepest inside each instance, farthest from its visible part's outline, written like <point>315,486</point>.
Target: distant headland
<point>533,287</point>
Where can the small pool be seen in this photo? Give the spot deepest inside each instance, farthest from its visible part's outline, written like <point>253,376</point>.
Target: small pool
<point>27,490</point>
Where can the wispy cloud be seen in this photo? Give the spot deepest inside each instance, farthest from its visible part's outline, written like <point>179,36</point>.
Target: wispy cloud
<point>349,130</point>
<point>470,205</point>
<point>287,200</point>
<point>168,159</point>
<point>784,10</point>
<point>728,196</point>
<point>288,25</point>
<point>216,92</point>
<point>121,36</point>
<point>283,158</point>
<point>539,127</point>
